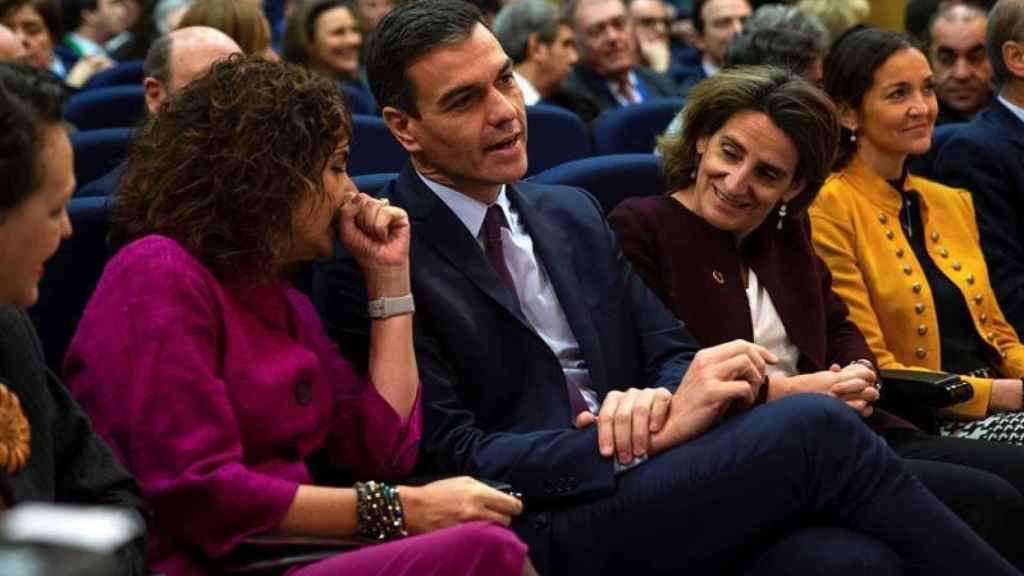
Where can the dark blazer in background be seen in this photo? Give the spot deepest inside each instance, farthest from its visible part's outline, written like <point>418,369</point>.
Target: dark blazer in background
<point>986,157</point>
<point>69,463</point>
<point>585,84</point>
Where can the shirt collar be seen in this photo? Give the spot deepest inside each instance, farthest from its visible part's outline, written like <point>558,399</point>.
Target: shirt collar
<point>710,69</point>
<point>85,46</point>
<point>468,210</point>
<point>530,94</point>
<point>1018,111</point>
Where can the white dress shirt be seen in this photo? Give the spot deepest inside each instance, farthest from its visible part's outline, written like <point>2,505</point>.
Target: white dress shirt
<point>530,94</point>
<point>769,330</point>
<point>1017,110</point>
<point>634,83</point>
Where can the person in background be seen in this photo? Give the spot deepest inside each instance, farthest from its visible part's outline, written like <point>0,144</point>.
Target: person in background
<point>963,74</point>
<point>38,25</point>
<point>90,24</point>
<point>904,251</point>
<point>173,62</point>
<point>371,11</point>
<point>984,156</point>
<point>244,22</point>
<point>762,141</point>
<point>48,449</point>
<point>651,22</point>
<point>540,44</point>
<point>607,74</point>
<point>716,23</point>
<point>838,16</point>
<point>239,178</point>
<point>326,36</point>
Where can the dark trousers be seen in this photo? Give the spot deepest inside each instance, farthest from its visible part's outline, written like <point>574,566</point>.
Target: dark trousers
<point>722,501</point>
<point>982,482</point>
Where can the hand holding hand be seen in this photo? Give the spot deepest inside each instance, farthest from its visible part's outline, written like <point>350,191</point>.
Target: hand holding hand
<point>377,235</point>
<point>855,385</point>
<point>453,501</point>
<point>627,420</point>
<point>719,377</point>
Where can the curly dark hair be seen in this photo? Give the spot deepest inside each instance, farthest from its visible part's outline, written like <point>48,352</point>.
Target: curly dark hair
<point>224,165</point>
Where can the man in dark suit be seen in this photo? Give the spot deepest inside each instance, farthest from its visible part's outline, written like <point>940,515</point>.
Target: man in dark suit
<point>986,156</point>
<point>607,73</point>
<point>547,364</point>
<point>716,23</point>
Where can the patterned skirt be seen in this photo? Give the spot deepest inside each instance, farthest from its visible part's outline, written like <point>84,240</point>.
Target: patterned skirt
<point>1007,427</point>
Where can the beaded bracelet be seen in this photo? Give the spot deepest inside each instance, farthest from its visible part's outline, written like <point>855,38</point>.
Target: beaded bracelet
<point>379,510</point>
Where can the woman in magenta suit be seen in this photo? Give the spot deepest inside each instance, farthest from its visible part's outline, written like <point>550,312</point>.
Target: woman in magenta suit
<point>212,377</point>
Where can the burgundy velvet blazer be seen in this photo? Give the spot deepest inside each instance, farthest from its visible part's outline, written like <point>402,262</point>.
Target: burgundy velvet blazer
<point>695,269</point>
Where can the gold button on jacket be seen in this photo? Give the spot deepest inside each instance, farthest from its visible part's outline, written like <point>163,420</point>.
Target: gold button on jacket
<point>883,300</point>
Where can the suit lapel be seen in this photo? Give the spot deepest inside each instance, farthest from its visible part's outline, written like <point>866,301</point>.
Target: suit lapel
<point>438,226</point>
<point>1010,125</point>
<point>554,252</point>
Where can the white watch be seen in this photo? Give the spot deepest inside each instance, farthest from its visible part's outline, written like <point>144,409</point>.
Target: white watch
<point>382,308</point>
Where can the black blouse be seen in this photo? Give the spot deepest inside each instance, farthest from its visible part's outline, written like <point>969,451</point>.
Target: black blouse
<point>963,351</point>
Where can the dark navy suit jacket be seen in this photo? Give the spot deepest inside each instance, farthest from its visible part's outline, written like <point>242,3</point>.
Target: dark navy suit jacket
<point>494,396</point>
<point>986,156</point>
<point>585,84</point>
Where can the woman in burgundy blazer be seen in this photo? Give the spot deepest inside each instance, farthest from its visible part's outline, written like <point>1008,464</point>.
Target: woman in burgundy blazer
<point>728,251</point>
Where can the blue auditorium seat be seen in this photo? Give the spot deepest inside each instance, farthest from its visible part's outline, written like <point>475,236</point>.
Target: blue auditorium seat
<point>634,129</point>
<point>372,184</point>
<point>71,276</point>
<point>374,149</point>
<point>110,107</point>
<point>924,165</point>
<point>554,136</point>
<point>359,101</point>
<point>97,152</point>
<point>610,179</point>
<point>127,73</point>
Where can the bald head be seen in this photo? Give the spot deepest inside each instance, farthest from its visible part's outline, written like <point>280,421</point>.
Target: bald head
<point>10,46</point>
<point>180,57</point>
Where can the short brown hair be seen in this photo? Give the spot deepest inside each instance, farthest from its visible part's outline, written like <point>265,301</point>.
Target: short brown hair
<point>801,111</point>
<point>225,164</point>
<point>244,22</point>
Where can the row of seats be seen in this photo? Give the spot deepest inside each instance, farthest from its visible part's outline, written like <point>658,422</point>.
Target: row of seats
<point>555,135</point>
<point>73,272</point>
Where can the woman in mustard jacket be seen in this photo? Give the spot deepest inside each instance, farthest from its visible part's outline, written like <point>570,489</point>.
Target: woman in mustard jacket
<point>904,251</point>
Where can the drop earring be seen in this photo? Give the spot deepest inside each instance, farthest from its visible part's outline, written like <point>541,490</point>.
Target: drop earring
<point>782,214</point>
<point>853,137</point>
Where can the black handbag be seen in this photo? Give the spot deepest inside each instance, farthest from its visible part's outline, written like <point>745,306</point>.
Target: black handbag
<point>916,395</point>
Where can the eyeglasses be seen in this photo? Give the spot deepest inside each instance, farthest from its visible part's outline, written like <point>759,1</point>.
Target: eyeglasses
<point>651,22</point>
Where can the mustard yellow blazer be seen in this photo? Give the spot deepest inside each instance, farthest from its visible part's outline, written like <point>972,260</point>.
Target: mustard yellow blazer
<point>856,231</point>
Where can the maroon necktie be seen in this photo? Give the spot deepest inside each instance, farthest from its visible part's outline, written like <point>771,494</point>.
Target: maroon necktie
<point>493,223</point>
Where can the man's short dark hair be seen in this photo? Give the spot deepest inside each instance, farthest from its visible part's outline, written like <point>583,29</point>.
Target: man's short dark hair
<point>517,22</point>
<point>30,98</point>
<point>1005,24</point>
<point>73,12</point>
<point>407,34</point>
<point>158,61</point>
<point>779,35</point>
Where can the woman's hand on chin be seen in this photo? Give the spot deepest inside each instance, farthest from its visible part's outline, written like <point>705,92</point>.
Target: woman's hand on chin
<point>377,235</point>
